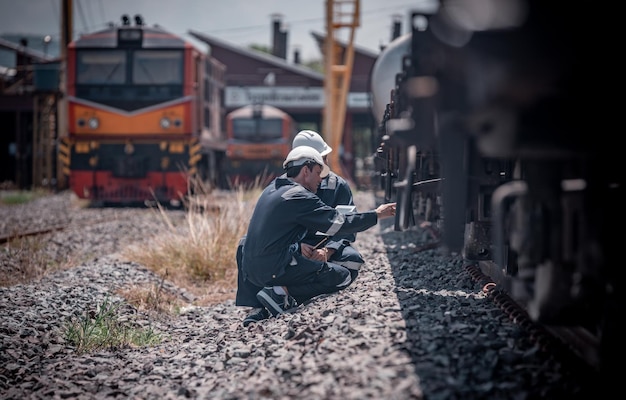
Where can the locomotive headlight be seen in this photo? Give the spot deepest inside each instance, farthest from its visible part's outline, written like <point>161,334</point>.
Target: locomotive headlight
<point>94,123</point>
<point>165,123</point>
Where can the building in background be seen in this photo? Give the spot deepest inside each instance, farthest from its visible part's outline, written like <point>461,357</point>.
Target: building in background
<point>28,76</point>
<point>251,77</point>
<point>254,77</point>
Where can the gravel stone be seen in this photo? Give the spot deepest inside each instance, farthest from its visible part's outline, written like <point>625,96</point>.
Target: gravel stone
<point>413,326</point>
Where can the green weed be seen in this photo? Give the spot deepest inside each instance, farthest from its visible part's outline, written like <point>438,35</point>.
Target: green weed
<point>104,328</point>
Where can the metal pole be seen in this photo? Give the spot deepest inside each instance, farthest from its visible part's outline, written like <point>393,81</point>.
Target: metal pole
<point>37,154</point>
<point>62,123</point>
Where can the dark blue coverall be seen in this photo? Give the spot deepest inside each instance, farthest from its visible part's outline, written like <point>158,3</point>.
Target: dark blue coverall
<point>270,251</point>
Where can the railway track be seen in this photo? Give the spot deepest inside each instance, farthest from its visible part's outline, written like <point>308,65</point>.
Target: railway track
<point>562,341</point>
<point>8,237</point>
<point>38,231</point>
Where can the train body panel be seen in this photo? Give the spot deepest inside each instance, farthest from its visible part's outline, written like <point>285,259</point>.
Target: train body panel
<point>140,99</point>
<point>106,187</point>
<point>144,122</point>
<point>131,171</point>
<point>489,109</point>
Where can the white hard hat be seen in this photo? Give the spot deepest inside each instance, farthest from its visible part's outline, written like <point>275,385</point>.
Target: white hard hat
<point>303,154</point>
<point>311,139</point>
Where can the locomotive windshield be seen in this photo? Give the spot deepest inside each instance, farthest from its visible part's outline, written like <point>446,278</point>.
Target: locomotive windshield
<point>101,67</point>
<point>257,129</point>
<point>129,79</point>
<point>157,67</point>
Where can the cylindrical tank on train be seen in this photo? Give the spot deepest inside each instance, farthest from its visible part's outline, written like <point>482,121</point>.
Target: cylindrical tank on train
<point>383,79</point>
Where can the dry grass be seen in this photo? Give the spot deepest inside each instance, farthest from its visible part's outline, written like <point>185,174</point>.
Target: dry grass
<point>199,256</point>
<point>28,261</point>
<point>152,298</point>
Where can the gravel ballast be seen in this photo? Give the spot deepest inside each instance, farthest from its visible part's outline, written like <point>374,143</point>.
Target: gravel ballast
<point>414,325</point>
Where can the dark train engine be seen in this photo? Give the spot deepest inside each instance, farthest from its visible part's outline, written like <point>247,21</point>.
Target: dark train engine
<point>486,130</point>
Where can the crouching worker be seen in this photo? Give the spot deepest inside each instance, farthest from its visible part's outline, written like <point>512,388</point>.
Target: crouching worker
<point>275,270</point>
<point>334,191</point>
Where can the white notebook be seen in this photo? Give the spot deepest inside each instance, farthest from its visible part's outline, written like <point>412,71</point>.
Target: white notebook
<point>345,209</point>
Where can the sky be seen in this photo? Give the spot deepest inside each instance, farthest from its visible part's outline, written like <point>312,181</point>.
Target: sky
<point>237,22</point>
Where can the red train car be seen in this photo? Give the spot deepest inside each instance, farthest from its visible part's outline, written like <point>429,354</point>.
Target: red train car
<point>259,138</point>
<point>139,101</point>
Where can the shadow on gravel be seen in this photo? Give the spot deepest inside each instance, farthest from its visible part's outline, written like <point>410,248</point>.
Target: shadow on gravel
<point>461,344</point>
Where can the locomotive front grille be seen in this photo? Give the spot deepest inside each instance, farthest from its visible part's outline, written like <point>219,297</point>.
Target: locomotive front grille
<point>130,167</point>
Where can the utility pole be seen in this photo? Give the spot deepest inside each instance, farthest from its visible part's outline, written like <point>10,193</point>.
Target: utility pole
<point>67,23</point>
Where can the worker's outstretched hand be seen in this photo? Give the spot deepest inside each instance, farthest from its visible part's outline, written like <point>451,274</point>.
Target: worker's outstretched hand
<point>386,210</point>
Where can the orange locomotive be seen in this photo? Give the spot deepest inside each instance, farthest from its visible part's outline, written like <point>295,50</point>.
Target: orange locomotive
<point>140,100</point>
<point>259,138</point>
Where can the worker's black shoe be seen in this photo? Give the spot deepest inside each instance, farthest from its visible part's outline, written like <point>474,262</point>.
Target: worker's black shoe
<point>275,303</point>
<point>258,314</point>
